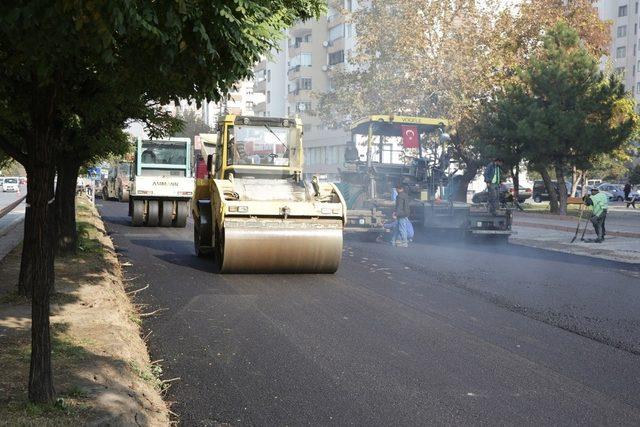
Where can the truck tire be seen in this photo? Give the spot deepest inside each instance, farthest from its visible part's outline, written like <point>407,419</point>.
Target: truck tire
<point>153,213</point>
<point>137,213</point>
<point>182,212</point>
<point>166,216</point>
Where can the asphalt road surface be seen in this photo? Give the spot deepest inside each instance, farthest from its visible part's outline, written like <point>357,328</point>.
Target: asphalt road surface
<point>434,334</point>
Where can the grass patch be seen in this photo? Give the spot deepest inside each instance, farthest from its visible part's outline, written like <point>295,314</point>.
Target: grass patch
<point>88,238</point>
<point>543,208</point>
<point>150,374</point>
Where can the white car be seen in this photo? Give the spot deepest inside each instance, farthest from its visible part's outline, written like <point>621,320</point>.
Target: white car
<point>10,184</point>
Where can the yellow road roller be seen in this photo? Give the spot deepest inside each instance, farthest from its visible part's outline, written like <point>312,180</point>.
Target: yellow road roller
<point>254,212</point>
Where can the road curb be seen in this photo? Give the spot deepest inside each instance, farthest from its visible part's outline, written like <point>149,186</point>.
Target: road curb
<point>599,253</point>
<point>570,229</point>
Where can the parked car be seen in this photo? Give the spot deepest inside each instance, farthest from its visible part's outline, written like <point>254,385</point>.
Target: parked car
<point>615,189</point>
<point>10,184</point>
<point>540,193</point>
<point>1,181</point>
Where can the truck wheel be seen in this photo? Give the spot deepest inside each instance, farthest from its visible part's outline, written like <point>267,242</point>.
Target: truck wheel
<point>153,213</point>
<point>137,213</point>
<point>182,211</point>
<point>166,216</point>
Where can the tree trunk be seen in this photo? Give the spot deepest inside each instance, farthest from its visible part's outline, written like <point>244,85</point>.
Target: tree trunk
<point>553,196</point>
<point>562,188</point>
<point>465,179</point>
<point>66,208</point>
<point>575,176</point>
<point>39,250</point>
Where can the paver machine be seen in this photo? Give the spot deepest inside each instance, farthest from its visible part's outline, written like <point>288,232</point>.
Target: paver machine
<point>254,212</point>
<point>413,152</point>
<point>163,185</point>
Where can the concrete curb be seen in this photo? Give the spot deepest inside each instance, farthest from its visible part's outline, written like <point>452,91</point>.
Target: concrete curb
<point>608,254</point>
<point>570,229</point>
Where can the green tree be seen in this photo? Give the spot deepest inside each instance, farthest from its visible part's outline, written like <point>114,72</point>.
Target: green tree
<point>565,111</point>
<point>58,54</point>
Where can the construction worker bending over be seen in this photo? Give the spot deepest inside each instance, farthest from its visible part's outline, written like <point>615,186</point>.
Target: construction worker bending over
<point>493,177</point>
<point>599,204</point>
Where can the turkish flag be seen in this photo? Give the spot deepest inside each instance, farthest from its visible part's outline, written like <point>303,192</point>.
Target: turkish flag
<point>410,137</point>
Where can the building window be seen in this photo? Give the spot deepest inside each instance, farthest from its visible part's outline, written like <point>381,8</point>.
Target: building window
<point>268,96</point>
<point>633,70</point>
<point>249,104</point>
<point>336,57</point>
<point>305,84</point>
<point>622,31</point>
<point>621,52</point>
<point>305,59</point>
<point>636,8</point>
<point>268,75</point>
<point>336,32</point>
<point>634,49</point>
<point>620,71</point>
<point>303,107</point>
<point>622,11</point>
<point>348,30</point>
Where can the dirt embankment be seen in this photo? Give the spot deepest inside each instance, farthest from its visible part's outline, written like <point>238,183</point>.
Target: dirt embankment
<point>103,375</point>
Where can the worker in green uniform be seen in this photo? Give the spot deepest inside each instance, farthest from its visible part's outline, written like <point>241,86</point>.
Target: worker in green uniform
<point>599,204</point>
<point>493,178</point>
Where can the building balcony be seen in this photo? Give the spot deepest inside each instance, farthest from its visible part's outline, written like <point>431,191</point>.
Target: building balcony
<point>260,86</point>
<point>260,107</point>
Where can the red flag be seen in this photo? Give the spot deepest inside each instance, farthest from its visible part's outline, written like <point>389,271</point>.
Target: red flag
<point>410,136</point>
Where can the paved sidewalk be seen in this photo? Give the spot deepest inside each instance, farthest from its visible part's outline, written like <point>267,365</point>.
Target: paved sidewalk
<point>555,233</point>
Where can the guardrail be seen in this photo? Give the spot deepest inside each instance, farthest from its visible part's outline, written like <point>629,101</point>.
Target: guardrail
<point>11,206</point>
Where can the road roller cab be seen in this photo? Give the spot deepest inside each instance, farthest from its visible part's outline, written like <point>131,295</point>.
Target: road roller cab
<point>254,212</point>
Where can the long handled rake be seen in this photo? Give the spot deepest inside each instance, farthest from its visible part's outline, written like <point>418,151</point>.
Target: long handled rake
<point>575,236</point>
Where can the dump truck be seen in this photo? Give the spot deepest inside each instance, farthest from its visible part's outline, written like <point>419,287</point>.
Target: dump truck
<point>413,152</point>
<point>162,186</point>
<point>254,213</point>
<point>116,185</point>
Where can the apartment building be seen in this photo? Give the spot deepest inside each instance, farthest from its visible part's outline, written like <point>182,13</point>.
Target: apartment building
<point>292,77</point>
<point>625,38</point>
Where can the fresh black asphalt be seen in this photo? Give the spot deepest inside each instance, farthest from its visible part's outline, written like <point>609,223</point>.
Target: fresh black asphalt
<point>434,334</point>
